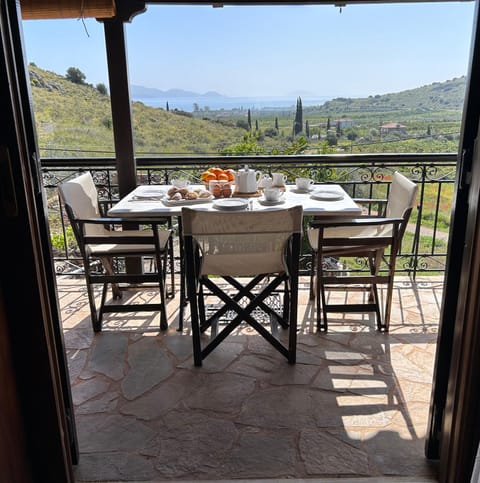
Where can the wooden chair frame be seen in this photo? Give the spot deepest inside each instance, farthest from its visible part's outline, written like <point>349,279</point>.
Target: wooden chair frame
<point>374,249</point>
<point>200,285</point>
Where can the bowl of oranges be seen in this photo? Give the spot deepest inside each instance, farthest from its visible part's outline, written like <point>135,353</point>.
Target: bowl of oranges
<point>218,181</point>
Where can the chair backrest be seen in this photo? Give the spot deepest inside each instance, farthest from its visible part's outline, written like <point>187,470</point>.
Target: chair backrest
<point>401,200</point>
<point>242,243</point>
<point>401,197</point>
<point>80,196</point>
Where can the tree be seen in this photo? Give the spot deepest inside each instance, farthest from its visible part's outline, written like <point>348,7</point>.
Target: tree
<point>298,123</point>
<point>242,123</point>
<point>328,124</point>
<point>249,120</point>
<point>256,125</point>
<point>75,75</point>
<point>167,107</point>
<point>276,123</point>
<point>102,89</point>
<point>307,129</point>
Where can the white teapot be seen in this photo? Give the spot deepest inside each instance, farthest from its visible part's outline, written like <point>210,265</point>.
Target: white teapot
<point>246,180</point>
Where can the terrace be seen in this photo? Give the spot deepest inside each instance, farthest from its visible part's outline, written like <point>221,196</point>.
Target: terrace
<point>38,441</point>
<point>355,404</point>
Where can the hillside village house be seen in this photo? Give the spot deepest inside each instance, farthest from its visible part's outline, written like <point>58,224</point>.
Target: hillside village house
<point>392,127</point>
<point>37,440</point>
<point>343,123</point>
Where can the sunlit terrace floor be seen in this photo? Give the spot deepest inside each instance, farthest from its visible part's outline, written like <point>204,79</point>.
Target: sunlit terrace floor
<point>355,404</point>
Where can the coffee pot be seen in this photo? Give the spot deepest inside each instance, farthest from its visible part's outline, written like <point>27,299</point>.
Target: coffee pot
<point>246,180</point>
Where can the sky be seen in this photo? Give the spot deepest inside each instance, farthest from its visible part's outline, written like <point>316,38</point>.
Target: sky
<point>254,51</point>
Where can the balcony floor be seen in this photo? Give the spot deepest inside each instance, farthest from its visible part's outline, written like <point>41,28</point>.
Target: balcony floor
<point>355,404</point>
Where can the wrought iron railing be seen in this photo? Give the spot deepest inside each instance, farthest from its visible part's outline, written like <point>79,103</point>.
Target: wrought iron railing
<point>425,243</point>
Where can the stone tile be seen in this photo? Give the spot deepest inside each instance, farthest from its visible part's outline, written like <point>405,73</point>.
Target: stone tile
<point>78,339</point>
<point>149,365</point>
<point>108,355</point>
<point>194,444</point>
<point>222,393</point>
<point>104,403</point>
<point>76,360</point>
<point>85,390</point>
<point>100,432</point>
<point>327,453</point>
<point>168,395</point>
<point>114,467</point>
<point>279,407</point>
<point>179,344</point>
<point>261,454</point>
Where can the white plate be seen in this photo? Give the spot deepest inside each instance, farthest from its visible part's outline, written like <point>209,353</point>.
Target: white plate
<point>230,204</point>
<point>149,194</point>
<point>327,195</point>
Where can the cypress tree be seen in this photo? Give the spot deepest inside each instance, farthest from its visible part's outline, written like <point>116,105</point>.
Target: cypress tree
<point>328,124</point>
<point>307,129</point>
<point>249,120</point>
<point>298,124</point>
<point>256,124</point>
<point>168,108</point>
<point>276,123</point>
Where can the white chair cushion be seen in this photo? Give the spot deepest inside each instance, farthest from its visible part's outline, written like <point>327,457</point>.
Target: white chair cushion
<point>112,248</point>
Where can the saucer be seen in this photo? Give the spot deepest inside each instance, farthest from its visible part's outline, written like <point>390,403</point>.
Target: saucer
<point>327,195</point>
<point>302,192</point>
<point>265,202</point>
<point>230,203</point>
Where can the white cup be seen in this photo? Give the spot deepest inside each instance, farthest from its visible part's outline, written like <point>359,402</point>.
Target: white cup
<point>265,182</point>
<point>180,183</point>
<point>303,184</point>
<point>278,179</point>
<point>272,194</point>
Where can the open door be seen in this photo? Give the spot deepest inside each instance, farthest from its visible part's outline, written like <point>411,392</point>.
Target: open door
<point>34,367</point>
<point>454,422</point>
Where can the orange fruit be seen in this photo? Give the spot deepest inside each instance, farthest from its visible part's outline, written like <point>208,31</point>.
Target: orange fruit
<point>205,175</point>
<point>223,177</point>
<point>229,173</point>
<point>217,171</point>
<point>209,177</point>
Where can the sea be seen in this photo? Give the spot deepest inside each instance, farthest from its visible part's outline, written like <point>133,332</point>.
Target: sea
<point>230,103</point>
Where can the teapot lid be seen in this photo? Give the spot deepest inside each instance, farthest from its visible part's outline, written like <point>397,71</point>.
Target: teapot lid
<point>245,169</point>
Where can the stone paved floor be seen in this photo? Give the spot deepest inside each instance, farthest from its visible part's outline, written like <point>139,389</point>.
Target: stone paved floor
<point>354,405</point>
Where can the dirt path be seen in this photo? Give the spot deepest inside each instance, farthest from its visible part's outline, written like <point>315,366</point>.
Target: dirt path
<point>440,235</point>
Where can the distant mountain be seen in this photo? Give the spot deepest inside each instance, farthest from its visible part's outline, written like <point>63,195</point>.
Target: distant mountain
<point>139,92</point>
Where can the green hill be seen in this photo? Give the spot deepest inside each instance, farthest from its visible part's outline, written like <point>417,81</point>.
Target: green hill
<point>75,120</point>
<point>439,96</point>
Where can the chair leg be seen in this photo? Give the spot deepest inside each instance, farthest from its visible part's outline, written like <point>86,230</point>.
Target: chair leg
<point>95,318</point>
<point>107,263</point>
<point>322,322</point>
<point>312,274</point>
<point>161,263</point>
<point>375,263</point>
<point>171,257</point>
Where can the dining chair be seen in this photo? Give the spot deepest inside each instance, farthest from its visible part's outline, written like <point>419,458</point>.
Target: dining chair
<point>377,239</point>
<point>235,262</point>
<point>105,243</point>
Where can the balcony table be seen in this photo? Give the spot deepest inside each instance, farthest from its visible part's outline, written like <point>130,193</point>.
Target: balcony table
<point>143,202</point>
